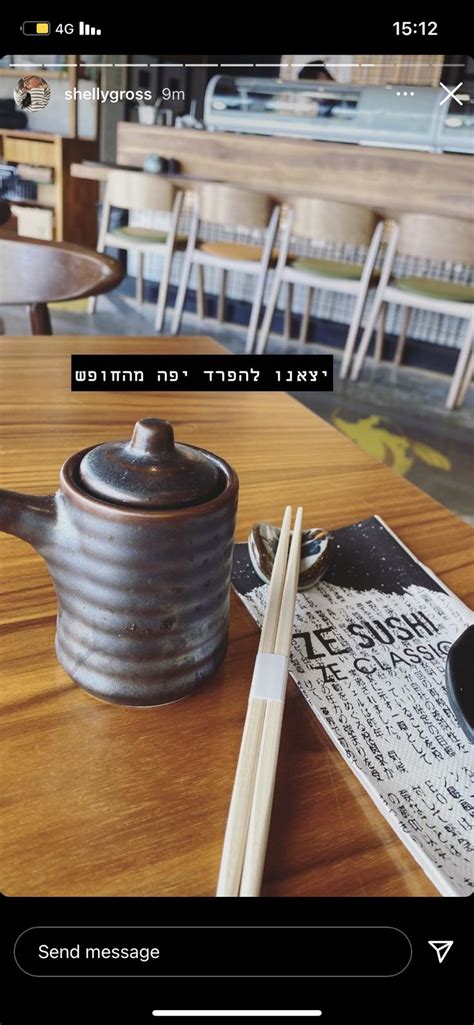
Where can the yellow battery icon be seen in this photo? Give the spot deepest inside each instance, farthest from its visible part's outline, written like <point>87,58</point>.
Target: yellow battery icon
<point>36,28</point>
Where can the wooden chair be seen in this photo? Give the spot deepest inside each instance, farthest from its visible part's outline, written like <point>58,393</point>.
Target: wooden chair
<point>5,212</point>
<point>34,273</point>
<point>330,222</point>
<point>435,238</point>
<point>229,206</point>
<point>137,191</point>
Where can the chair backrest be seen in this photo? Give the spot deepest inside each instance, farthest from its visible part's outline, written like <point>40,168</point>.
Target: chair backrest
<point>229,205</point>
<point>436,238</point>
<point>325,220</point>
<point>136,190</point>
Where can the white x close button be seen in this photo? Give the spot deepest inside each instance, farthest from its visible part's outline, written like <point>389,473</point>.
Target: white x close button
<point>450,93</point>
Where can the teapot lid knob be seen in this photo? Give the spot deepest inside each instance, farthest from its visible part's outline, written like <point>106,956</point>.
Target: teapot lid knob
<point>153,436</point>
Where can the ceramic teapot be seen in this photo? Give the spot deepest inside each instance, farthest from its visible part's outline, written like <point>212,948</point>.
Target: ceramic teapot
<point>138,540</point>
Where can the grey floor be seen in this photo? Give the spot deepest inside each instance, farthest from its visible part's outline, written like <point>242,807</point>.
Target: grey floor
<point>397,414</point>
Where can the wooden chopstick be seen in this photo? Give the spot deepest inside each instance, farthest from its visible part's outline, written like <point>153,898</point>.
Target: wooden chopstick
<point>241,801</point>
<point>262,800</point>
<point>271,618</point>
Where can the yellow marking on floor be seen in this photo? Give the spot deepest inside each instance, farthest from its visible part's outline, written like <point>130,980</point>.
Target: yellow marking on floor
<point>71,306</point>
<point>395,450</point>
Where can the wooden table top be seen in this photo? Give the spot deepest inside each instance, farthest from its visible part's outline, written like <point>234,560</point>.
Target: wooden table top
<point>37,271</point>
<point>107,800</point>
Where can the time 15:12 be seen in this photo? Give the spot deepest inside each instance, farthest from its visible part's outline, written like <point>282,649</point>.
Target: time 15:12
<point>410,28</point>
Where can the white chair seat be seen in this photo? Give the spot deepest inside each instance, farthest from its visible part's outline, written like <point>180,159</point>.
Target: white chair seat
<point>131,235</point>
<point>422,301</point>
<point>235,251</point>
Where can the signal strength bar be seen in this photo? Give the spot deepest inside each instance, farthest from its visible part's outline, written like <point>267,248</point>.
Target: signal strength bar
<point>88,30</point>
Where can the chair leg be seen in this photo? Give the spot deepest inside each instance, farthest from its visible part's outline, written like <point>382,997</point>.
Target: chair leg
<point>306,315</point>
<point>287,313</point>
<point>40,320</point>
<point>352,334</point>
<point>200,291</point>
<point>380,334</point>
<point>468,376</point>
<point>256,310</point>
<point>163,289</point>
<point>378,300</point>
<point>181,294</point>
<point>139,280</point>
<point>268,317</point>
<point>365,342</point>
<point>263,270</point>
<point>360,300</point>
<point>397,359</point>
<point>284,246</point>
<point>465,355</point>
<point>221,298</point>
<point>104,225</point>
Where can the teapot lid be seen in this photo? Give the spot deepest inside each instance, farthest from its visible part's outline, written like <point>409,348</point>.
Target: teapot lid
<point>150,470</point>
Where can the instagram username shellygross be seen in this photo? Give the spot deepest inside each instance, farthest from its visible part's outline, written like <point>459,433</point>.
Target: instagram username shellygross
<point>111,95</point>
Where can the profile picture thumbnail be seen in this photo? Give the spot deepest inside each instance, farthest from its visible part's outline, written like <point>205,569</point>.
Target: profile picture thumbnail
<point>32,93</point>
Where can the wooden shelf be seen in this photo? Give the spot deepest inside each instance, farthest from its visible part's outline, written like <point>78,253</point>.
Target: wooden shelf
<point>30,202</point>
<point>74,206</point>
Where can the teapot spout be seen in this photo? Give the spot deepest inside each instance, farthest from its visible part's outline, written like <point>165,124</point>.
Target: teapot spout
<point>31,517</point>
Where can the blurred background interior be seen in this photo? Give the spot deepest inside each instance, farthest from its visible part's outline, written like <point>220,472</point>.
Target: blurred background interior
<point>287,203</point>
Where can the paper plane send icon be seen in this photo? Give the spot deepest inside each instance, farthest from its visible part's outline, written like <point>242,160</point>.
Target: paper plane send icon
<point>441,947</point>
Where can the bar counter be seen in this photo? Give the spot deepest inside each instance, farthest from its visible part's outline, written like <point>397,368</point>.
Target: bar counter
<point>389,180</point>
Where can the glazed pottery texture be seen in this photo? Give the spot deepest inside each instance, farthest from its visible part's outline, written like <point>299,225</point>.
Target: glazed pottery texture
<point>143,595</point>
